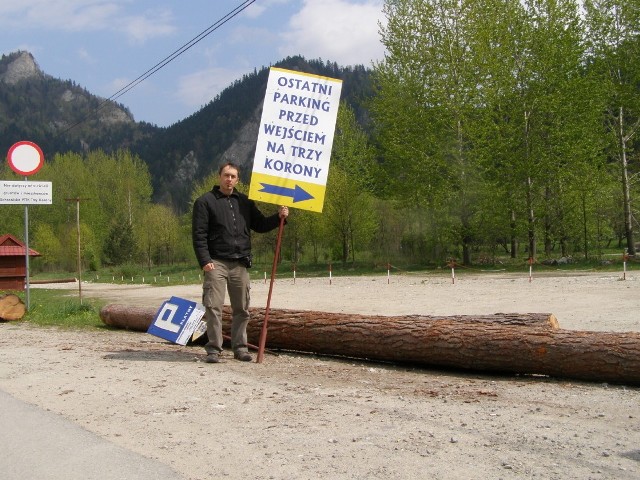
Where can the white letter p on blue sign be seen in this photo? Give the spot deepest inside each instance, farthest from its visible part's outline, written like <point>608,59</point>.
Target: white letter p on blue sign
<point>164,319</point>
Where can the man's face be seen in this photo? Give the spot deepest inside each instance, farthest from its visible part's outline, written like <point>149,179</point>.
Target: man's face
<point>228,179</point>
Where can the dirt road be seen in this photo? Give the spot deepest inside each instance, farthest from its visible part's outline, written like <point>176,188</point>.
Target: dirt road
<point>304,416</point>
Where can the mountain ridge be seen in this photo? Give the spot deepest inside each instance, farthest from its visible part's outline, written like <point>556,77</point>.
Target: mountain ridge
<point>61,116</point>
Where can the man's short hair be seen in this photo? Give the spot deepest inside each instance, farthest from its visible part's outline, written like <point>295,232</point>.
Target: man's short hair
<point>229,164</point>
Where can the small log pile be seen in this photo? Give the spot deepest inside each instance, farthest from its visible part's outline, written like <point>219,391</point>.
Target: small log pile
<point>529,343</point>
<point>11,307</point>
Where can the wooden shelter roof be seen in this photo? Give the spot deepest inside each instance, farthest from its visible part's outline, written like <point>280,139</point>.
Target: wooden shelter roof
<point>10,246</point>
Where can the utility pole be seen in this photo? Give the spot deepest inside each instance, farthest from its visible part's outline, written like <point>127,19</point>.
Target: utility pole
<point>77,200</point>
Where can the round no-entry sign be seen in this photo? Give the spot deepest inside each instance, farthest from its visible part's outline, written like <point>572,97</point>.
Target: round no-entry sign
<point>25,158</point>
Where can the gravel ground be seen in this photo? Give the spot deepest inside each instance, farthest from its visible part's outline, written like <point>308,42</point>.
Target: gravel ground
<point>308,416</point>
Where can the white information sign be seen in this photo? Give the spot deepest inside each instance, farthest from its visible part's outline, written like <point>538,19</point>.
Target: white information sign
<point>25,193</point>
<point>293,151</point>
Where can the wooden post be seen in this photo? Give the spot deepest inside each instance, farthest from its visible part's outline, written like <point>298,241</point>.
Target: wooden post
<point>77,200</point>
<point>274,268</point>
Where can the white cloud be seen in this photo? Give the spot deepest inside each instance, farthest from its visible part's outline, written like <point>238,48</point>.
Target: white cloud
<point>199,88</point>
<point>337,30</point>
<point>66,15</point>
<point>153,23</point>
<point>256,9</point>
<point>85,56</point>
<point>116,84</point>
<point>87,16</point>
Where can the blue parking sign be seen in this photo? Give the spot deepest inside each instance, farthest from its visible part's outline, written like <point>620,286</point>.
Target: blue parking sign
<point>176,320</point>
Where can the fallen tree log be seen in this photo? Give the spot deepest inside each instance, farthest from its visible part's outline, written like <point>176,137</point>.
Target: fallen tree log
<point>127,317</point>
<point>11,307</point>
<point>502,348</point>
<point>140,318</point>
<point>59,280</point>
<point>501,343</point>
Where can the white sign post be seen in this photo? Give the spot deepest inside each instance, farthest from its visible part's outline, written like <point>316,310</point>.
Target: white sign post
<point>25,158</point>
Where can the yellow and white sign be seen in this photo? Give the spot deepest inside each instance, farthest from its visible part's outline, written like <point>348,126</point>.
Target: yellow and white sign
<point>293,152</point>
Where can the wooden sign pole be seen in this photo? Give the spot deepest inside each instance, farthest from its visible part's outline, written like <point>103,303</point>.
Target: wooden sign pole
<point>274,268</point>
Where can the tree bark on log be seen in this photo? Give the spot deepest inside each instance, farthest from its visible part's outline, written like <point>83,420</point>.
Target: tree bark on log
<point>11,307</point>
<point>514,343</point>
<point>127,317</point>
<point>140,318</point>
<point>492,347</point>
<point>59,280</point>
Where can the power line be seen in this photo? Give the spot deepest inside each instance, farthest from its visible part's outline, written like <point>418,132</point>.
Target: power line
<point>168,59</point>
<point>182,49</point>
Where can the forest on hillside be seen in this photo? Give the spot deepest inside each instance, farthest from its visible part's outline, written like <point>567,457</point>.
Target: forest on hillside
<point>495,128</point>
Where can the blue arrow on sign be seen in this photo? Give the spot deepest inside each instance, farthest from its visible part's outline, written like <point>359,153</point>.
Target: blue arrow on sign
<point>297,193</point>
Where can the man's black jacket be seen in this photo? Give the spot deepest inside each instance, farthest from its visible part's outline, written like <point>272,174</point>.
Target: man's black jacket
<point>221,225</point>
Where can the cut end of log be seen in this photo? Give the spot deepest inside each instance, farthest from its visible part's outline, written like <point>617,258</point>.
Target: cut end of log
<point>11,307</point>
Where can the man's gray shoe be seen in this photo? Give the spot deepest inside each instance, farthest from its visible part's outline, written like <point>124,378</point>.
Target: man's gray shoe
<point>242,356</point>
<point>212,358</point>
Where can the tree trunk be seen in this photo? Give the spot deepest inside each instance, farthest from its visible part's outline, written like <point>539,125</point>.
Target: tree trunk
<point>531,220</point>
<point>513,233</point>
<point>626,189</point>
<point>11,307</point>
<point>505,343</point>
<point>127,317</point>
<point>140,318</point>
<point>476,343</point>
<point>59,280</point>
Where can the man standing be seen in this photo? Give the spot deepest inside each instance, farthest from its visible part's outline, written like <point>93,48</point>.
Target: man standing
<point>221,230</point>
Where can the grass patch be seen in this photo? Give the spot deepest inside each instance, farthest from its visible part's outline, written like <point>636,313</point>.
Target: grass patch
<point>61,309</point>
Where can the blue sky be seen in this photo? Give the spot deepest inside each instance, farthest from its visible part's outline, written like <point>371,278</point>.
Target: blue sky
<point>103,45</point>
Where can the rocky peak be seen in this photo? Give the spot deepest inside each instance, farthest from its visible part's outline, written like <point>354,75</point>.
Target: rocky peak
<point>21,66</point>
<point>244,146</point>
